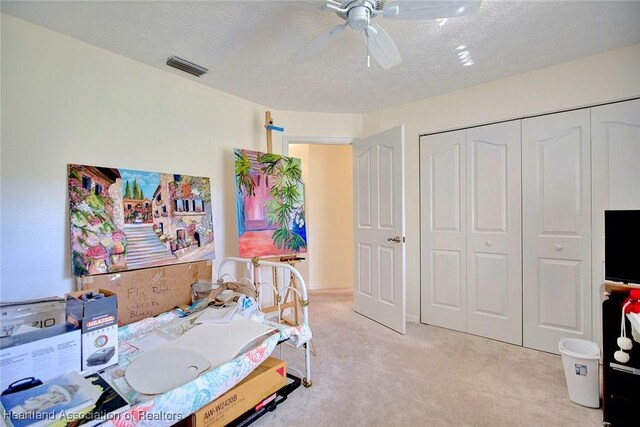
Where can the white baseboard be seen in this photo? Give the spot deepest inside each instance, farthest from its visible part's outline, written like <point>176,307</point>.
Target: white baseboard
<point>322,289</point>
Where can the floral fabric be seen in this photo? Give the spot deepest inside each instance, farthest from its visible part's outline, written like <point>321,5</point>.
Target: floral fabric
<point>168,408</point>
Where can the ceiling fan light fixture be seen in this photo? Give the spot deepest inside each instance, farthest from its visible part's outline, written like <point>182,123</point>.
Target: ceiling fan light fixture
<point>359,17</point>
<point>186,66</point>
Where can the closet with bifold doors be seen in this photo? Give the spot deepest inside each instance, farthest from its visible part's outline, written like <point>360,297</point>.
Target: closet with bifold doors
<point>512,214</point>
<point>471,261</point>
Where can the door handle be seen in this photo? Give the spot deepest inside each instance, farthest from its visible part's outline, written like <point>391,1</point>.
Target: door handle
<point>396,239</point>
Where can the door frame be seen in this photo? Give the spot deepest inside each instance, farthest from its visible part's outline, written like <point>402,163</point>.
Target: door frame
<point>320,140</point>
<point>288,140</point>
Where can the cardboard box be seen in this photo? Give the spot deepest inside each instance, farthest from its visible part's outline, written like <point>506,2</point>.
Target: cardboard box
<point>265,380</point>
<point>98,320</point>
<point>42,313</point>
<point>150,291</point>
<point>43,354</point>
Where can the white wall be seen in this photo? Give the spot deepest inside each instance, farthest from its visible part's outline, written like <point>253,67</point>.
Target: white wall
<point>64,101</point>
<point>610,76</point>
<point>327,172</point>
<point>317,125</point>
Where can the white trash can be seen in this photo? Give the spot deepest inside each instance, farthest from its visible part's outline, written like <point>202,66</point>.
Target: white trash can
<point>581,368</point>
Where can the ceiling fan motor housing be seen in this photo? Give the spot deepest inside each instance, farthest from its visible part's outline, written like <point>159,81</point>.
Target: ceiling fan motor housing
<point>359,12</point>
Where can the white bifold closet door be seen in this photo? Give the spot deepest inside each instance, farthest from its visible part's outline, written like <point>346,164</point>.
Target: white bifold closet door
<point>443,235</point>
<point>494,246</point>
<point>471,231</point>
<point>615,145</point>
<point>556,196</point>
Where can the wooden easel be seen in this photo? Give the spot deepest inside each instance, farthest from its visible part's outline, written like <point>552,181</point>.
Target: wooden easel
<point>268,126</point>
<point>290,297</point>
<point>268,121</point>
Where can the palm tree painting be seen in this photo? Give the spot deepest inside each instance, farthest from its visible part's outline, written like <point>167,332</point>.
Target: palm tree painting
<point>269,204</point>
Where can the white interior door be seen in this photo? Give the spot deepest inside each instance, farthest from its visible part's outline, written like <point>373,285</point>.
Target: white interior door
<point>556,192</point>
<point>615,144</point>
<point>379,249</point>
<point>443,268</point>
<point>494,246</point>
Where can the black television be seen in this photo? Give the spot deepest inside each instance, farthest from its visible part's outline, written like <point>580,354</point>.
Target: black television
<point>622,246</point>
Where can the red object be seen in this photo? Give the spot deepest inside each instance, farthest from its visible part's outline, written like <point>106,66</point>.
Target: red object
<point>634,297</point>
<point>266,401</point>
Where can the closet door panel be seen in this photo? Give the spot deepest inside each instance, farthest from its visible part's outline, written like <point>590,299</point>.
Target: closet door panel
<point>494,261</point>
<point>446,276</point>
<point>615,143</point>
<point>562,303</point>
<point>489,288</point>
<point>443,230</point>
<point>556,189</point>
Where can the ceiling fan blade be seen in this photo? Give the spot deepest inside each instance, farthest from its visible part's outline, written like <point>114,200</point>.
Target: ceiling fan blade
<point>432,9</point>
<point>381,47</point>
<point>317,45</point>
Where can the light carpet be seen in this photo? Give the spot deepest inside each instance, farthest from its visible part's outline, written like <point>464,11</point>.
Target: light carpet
<point>367,375</point>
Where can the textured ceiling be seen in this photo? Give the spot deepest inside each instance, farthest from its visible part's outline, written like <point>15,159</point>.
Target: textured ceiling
<point>246,45</point>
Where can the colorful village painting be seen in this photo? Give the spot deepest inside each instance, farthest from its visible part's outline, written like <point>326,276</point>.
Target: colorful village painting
<point>124,219</point>
<point>269,204</point>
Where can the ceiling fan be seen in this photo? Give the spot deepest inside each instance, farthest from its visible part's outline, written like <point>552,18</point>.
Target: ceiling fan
<point>359,15</point>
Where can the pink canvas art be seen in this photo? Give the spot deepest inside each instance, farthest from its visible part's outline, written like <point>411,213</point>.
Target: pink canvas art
<point>269,204</point>
<point>123,219</point>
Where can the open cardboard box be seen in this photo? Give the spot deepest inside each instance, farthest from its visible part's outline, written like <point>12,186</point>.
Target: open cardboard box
<point>98,319</point>
<point>265,380</point>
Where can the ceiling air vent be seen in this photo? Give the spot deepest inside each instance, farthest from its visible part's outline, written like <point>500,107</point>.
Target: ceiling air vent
<point>186,66</point>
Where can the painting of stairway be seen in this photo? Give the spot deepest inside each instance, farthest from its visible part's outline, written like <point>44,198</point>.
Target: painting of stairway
<point>124,219</point>
<point>144,247</point>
